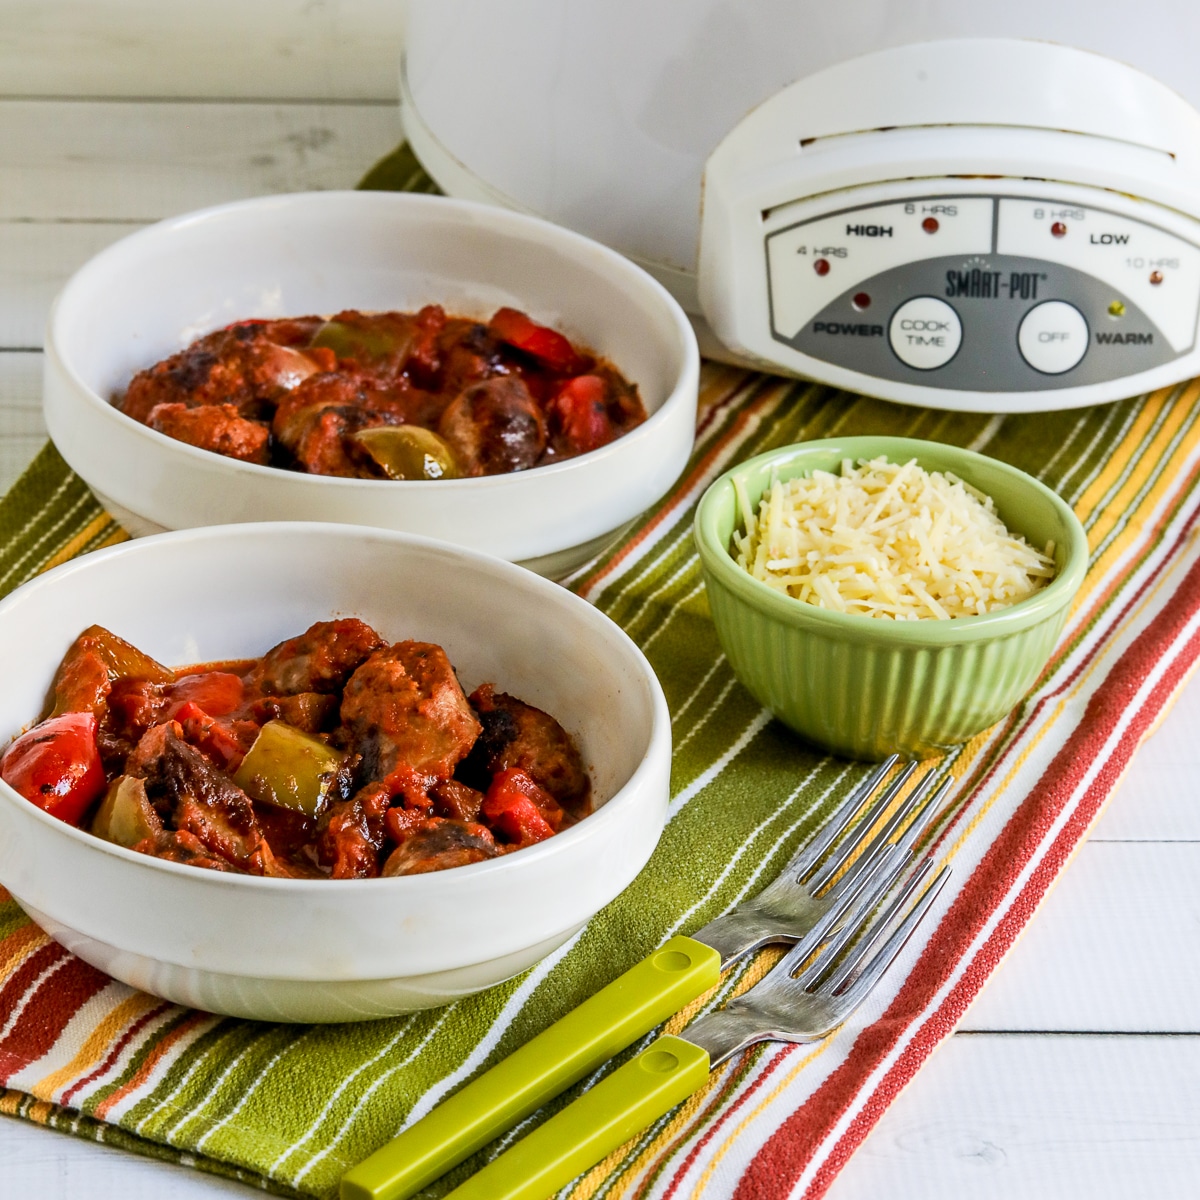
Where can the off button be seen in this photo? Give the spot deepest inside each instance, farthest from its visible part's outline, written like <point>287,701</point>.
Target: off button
<point>1053,337</point>
<point>925,333</point>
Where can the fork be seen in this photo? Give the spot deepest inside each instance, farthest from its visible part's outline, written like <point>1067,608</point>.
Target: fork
<point>802,999</point>
<point>810,897</point>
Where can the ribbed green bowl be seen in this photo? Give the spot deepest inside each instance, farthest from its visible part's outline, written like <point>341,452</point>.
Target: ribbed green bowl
<point>865,687</point>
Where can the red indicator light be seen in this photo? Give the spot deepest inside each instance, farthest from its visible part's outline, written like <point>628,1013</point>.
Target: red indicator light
<point>861,300</point>
<point>1156,277</point>
<point>1058,229</point>
<point>821,266</point>
<point>930,224</point>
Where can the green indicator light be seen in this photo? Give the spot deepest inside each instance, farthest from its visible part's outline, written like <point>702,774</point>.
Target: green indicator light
<point>1116,309</point>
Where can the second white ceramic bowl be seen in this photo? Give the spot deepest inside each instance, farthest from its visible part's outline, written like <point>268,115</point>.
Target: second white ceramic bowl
<point>324,950</point>
<point>153,293</point>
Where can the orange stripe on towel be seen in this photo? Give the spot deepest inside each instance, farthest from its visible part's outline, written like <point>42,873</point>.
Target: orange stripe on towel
<point>80,541</point>
<point>17,947</point>
<point>151,1061</point>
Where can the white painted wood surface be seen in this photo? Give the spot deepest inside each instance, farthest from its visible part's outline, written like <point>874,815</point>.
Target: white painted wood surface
<point>66,160</point>
<point>22,430</point>
<point>1076,1075</point>
<point>262,49</point>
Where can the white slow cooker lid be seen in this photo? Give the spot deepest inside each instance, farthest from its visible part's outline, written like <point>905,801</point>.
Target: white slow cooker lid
<point>600,114</point>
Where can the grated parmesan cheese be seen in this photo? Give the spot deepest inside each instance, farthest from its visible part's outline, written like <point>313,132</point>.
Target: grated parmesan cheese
<point>887,540</point>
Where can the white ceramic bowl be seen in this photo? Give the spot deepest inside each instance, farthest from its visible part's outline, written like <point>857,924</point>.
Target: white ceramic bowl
<point>153,293</point>
<point>324,950</point>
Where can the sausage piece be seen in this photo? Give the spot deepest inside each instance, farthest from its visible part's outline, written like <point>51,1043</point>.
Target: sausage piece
<point>194,798</point>
<point>404,711</point>
<point>494,427</point>
<point>517,735</point>
<point>245,365</point>
<point>440,845</point>
<point>320,660</point>
<point>215,427</point>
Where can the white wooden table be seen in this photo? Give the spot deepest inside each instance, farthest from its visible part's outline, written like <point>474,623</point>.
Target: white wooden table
<point>1076,1076</point>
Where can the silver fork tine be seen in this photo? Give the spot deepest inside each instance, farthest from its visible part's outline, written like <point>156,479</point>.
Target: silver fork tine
<point>895,822</point>
<point>839,821</point>
<point>843,853</point>
<point>883,873</point>
<point>859,954</point>
<point>851,997</point>
<point>877,871</point>
<point>924,817</point>
<point>798,906</point>
<point>782,1008</point>
<point>856,918</point>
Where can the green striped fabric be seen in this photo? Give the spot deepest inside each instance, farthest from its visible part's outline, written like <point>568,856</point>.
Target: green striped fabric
<point>290,1108</point>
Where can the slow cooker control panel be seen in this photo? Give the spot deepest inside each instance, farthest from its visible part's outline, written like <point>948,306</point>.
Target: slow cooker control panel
<point>983,293</point>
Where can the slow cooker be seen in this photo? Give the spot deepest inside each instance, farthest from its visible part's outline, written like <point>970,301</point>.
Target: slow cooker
<point>962,204</point>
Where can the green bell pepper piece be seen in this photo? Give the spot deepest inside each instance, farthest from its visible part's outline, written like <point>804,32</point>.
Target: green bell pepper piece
<point>289,768</point>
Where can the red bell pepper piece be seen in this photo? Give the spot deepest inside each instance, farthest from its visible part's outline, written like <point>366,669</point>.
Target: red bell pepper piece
<point>56,765</point>
<point>218,693</point>
<point>581,412</point>
<point>543,343</point>
<point>519,809</point>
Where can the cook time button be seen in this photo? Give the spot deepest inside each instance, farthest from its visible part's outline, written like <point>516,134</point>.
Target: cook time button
<point>925,333</point>
<point>1053,337</point>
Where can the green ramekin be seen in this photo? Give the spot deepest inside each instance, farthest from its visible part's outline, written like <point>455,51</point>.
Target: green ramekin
<point>865,687</point>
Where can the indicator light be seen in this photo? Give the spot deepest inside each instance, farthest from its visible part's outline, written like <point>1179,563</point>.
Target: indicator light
<point>1156,277</point>
<point>861,300</point>
<point>1058,229</point>
<point>930,224</point>
<point>1116,309</point>
<point>821,266</point>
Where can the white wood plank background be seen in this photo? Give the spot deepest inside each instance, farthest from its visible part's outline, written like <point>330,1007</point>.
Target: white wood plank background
<point>22,430</point>
<point>994,1118</point>
<point>1077,1073</point>
<point>67,160</point>
<point>261,49</point>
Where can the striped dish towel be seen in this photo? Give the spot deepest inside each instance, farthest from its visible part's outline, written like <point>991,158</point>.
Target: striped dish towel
<point>289,1108</point>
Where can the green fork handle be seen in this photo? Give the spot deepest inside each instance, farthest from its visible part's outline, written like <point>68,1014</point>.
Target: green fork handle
<point>629,1007</point>
<point>602,1119</point>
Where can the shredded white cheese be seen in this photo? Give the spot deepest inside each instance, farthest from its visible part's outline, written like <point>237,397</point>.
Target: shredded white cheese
<point>890,541</point>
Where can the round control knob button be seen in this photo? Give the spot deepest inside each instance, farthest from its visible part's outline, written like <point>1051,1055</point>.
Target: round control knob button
<point>925,333</point>
<point>1053,337</point>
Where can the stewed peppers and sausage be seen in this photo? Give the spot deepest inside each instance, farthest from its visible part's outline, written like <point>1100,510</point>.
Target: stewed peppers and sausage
<point>335,755</point>
<point>388,395</point>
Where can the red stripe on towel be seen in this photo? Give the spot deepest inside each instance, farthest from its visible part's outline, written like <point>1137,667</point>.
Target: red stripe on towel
<point>51,1006</point>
